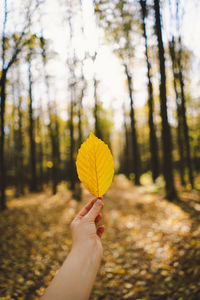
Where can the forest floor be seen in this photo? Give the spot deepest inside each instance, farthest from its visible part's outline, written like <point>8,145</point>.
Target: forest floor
<point>151,246</point>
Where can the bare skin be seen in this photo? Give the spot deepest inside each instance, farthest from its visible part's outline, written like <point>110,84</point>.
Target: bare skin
<point>75,279</point>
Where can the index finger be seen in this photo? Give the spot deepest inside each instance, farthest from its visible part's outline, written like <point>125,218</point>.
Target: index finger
<point>87,207</point>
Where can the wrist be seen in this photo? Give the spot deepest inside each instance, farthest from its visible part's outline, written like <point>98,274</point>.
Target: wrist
<point>88,251</point>
<point>85,249</point>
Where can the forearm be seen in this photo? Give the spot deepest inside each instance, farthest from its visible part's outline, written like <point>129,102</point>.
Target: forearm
<point>75,278</point>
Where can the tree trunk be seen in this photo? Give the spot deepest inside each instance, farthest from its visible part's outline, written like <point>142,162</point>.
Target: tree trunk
<point>53,124</point>
<point>166,133</point>
<point>52,134</point>
<point>20,150</point>
<point>136,155</point>
<point>80,109</point>
<point>57,150</point>
<point>77,193</point>
<point>33,182</point>
<point>184,116</point>
<point>80,134</point>
<point>2,140</point>
<point>96,106</point>
<point>57,133</point>
<point>152,138</point>
<point>18,140</point>
<point>126,150</point>
<point>96,115</point>
<point>179,113</point>
<point>40,151</point>
<point>72,87</point>
<point>72,143</point>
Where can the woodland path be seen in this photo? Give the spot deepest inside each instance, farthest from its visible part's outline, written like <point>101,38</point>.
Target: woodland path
<point>151,246</point>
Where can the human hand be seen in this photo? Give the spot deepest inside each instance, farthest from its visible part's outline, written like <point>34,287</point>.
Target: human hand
<point>86,235</point>
<point>76,277</point>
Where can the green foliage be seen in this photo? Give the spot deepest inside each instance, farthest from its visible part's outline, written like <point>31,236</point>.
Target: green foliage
<point>6,43</point>
<point>117,20</point>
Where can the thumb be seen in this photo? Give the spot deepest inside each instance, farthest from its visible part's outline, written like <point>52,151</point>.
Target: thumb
<point>95,210</point>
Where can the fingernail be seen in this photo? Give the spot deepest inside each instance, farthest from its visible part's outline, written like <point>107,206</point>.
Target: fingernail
<point>98,202</point>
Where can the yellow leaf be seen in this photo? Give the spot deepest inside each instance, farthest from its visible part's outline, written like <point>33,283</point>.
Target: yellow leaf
<point>120,271</point>
<point>95,166</point>
<point>49,164</point>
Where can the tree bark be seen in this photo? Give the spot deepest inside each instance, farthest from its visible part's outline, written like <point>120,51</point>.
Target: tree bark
<point>72,143</point>
<point>2,112</point>
<point>166,133</point>
<point>21,163</point>
<point>152,138</point>
<point>2,140</point>
<point>97,129</point>
<point>179,113</point>
<point>40,152</point>
<point>54,152</point>
<point>72,87</point>
<point>80,110</point>
<point>136,155</point>
<point>53,124</point>
<point>184,116</point>
<point>126,150</point>
<point>33,182</point>
<point>18,140</point>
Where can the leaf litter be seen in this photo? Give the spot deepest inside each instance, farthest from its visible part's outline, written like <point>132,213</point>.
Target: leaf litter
<point>151,246</point>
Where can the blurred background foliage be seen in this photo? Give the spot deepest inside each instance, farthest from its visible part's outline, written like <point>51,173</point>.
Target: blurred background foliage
<point>122,69</point>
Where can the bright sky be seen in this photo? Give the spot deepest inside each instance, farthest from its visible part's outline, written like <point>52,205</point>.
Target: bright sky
<point>107,67</point>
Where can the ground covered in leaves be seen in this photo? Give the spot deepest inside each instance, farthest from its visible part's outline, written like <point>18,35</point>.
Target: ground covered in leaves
<point>151,246</point>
